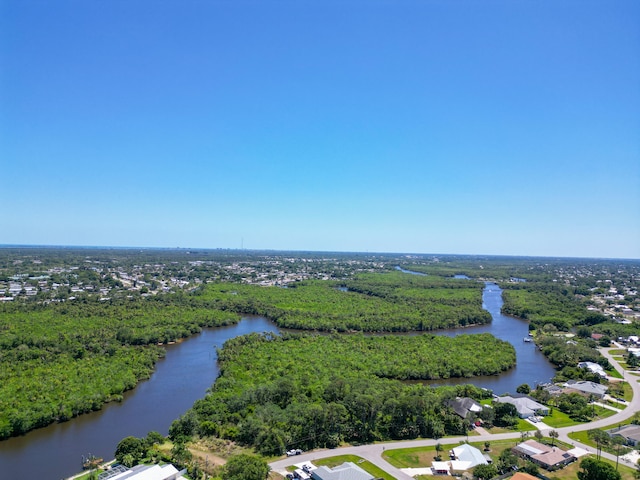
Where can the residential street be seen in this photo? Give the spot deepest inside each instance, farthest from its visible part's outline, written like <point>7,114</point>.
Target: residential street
<point>373,453</point>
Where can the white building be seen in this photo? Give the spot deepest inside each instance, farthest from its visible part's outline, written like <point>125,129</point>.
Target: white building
<point>466,457</point>
<point>145,472</point>
<point>593,368</point>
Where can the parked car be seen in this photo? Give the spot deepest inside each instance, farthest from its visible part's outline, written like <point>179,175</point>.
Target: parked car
<point>291,453</point>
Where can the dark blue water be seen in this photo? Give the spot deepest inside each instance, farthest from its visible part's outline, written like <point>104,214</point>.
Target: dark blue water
<point>185,374</point>
<point>179,379</point>
<point>532,367</point>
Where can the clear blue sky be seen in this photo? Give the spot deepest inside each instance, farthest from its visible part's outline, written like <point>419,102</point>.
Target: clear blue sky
<point>472,127</point>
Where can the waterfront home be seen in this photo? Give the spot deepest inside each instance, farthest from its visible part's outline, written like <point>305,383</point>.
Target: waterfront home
<point>346,471</point>
<point>144,472</point>
<point>525,406</point>
<point>549,458</point>
<point>593,368</point>
<point>587,388</point>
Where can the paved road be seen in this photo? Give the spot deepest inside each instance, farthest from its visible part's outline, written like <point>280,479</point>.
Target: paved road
<point>373,453</point>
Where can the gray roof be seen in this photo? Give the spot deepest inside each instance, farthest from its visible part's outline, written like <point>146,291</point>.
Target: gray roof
<point>524,405</point>
<point>462,406</point>
<point>346,471</point>
<point>587,387</point>
<point>628,431</point>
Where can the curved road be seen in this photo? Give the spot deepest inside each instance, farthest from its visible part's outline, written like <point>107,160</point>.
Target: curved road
<point>373,453</point>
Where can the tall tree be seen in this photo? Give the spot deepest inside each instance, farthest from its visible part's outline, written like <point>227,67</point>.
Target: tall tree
<point>245,467</point>
<point>593,469</point>
<point>601,438</point>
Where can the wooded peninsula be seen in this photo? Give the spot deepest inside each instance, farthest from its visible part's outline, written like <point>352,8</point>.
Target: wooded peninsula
<point>79,327</point>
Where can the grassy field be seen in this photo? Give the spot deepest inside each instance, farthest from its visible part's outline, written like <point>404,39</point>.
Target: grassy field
<point>362,463</point>
<point>559,419</point>
<point>571,472</point>
<point>523,426</point>
<point>618,351</point>
<point>614,373</point>
<point>413,457</point>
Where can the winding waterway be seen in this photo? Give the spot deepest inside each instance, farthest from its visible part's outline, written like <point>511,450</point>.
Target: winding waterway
<point>188,370</point>
<point>180,378</point>
<point>532,366</point>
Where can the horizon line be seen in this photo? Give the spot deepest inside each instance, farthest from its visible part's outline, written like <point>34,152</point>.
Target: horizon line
<point>113,247</point>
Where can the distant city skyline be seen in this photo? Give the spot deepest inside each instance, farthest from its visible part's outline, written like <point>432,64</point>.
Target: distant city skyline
<point>427,127</point>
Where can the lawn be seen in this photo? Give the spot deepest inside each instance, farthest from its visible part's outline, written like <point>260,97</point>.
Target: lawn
<point>614,373</point>
<point>361,462</point>
<point>523,426</point>
<point>571,471</point>
<point>423,456</point>
<point>618,352</point>
<point>412,457</point>
<point>558,419</point>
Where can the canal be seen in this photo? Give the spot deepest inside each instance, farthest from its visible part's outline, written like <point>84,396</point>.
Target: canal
<point>184,375</point>
<point>180,378</point>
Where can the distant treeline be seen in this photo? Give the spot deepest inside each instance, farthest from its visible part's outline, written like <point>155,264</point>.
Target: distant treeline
<point>547,304</point>
<point>306,391</point>
<point>386,302</point>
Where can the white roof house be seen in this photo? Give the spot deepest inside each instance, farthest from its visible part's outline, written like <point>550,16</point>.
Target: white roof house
<point>149,472</point>
<point>467,457</point>
<point>346,471</point>
<point>525,406</point>
<point>593,368</point>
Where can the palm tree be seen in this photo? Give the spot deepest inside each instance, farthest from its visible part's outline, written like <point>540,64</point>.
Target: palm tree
<point>438,450</point>
<point>553,434</point>
<point>618,441</point>
<point>601,438</point>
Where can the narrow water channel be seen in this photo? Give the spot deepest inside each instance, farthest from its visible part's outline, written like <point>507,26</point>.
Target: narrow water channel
<point>532,366</point>
<point>183,376</point>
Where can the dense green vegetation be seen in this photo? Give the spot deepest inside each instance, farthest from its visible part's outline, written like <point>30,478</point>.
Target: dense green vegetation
<point>63,359</point>
<point>389,302</point>
<point>547,304</point>
<point>305,391</point>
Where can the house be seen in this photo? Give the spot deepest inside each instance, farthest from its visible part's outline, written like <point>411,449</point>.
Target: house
<point>523,476</point>
<point>144,472</point>
<point>346,471</point>
<point>525,406</point>
<point>464,407</point>
<point>630,433</point>
<point>465,457</point>
<point>549,458</point>
<point>593,368</point>
<point>440,468</point>
<point>587,388</point>
<point>553,390</point>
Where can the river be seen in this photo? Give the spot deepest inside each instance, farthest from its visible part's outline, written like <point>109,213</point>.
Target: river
<point>188,370</point>
<point>179,379</point>
<point>532,366</point>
